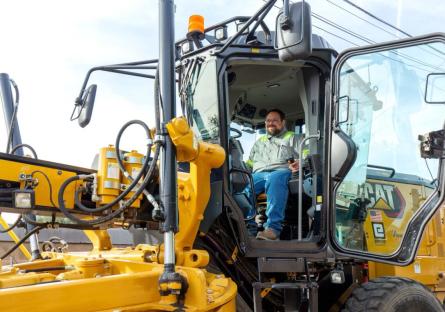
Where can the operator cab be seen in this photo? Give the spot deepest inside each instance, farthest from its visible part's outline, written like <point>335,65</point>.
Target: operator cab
<point>226,101</point>
<point>226,93</point>
<point>255,87</point>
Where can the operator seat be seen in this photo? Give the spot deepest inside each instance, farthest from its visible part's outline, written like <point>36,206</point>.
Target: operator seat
<point>240,175</point>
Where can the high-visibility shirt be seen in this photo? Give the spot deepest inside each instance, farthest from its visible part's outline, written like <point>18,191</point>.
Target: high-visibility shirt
<point>271,152</point>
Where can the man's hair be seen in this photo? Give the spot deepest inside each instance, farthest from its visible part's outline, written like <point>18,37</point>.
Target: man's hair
<point>278,111</point>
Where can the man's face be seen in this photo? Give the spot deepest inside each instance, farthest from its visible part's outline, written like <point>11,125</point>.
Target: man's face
<point>274,124</point>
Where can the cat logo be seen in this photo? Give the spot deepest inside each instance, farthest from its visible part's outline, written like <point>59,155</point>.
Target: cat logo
<point>385,197</point>
<point>382,205</point>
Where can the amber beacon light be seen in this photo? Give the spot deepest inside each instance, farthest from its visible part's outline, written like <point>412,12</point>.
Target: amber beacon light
<point>196,26</point>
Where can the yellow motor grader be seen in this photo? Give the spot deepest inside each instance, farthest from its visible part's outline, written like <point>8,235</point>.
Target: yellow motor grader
<point>364,222</point>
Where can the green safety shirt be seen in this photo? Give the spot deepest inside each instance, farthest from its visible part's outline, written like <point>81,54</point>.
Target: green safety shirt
<point>271,152</point>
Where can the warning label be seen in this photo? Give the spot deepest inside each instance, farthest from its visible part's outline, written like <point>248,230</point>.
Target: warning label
<point>113,171</point>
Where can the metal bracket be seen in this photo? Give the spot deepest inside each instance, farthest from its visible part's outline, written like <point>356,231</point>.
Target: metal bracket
<point>311,286</point>
<point>432,144</point>
<point>160,137</point>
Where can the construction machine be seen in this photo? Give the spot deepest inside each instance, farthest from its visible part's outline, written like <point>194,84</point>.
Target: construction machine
<point>364,223</point>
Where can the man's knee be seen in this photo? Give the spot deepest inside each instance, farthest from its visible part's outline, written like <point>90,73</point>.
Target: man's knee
<point>279,177</point>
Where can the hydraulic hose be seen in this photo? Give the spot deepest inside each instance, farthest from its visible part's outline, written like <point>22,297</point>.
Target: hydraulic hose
<point>118,211</point>
<point>11,250</point>
<point>33,151</point>
<point>133,181</point>
<point>12,226</point>
<point>150,197</point>
<point>117,146</point>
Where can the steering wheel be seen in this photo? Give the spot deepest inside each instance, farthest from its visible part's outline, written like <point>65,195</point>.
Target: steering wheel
<point>237,132</point>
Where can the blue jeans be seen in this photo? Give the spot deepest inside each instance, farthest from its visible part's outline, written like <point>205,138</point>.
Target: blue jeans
<point>274,183</point>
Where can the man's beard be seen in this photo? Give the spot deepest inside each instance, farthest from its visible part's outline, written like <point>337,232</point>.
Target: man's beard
<point>273,130</point>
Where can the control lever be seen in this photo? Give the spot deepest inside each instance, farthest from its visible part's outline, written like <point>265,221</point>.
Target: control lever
<point>293,181</point>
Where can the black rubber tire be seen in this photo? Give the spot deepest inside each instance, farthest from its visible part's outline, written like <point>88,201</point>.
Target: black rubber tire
<point>392,294</point>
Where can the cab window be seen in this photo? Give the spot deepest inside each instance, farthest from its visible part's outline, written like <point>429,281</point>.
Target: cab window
<point>382,109</point>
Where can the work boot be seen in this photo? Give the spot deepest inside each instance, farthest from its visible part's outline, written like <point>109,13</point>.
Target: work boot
<point>267,234</point>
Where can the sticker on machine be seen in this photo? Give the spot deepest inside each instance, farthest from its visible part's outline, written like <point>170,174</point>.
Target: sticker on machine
<point>113,171</point>
<point>379,230</point>
<point>375,216</point>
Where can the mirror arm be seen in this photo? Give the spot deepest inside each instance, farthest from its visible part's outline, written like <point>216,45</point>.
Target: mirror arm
<point>260,21</point>
<point>285,22</point>
<point>115,69</point>
<point>78,100</point>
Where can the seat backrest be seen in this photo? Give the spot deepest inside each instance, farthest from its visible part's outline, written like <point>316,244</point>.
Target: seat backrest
<point>239,180</point>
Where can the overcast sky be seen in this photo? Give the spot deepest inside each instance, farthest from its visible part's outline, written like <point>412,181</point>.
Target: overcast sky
<point>49,45</point>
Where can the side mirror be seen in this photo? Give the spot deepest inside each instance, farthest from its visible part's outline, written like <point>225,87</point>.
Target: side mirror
<point>293,32</point>
<point>86,109</point>
<point>435,88</point>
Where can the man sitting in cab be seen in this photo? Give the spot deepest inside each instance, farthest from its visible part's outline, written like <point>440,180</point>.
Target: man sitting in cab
<point>272,160</point>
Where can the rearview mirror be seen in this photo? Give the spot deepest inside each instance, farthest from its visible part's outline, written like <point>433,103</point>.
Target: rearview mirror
<point>435,88</point>
<point>293,32</point>
<point>86,110</point>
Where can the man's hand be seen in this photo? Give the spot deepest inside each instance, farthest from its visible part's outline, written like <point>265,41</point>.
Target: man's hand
<point>294,166</point>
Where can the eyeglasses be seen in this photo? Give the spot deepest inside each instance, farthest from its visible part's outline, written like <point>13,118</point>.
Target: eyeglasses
<point>272,121</point>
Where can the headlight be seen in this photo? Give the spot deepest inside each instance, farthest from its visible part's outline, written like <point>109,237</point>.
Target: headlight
<point>221,33</point>
<point>24,199</point>
<point>337,277</point>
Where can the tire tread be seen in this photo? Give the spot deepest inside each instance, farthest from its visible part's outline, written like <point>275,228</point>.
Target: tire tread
<point>371,296</point>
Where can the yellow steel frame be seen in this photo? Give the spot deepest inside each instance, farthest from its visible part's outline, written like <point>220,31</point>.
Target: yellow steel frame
<point>126,279</point>
<point>108,281</point>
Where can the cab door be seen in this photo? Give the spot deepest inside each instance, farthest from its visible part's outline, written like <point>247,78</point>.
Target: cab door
<point>382,192</point>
